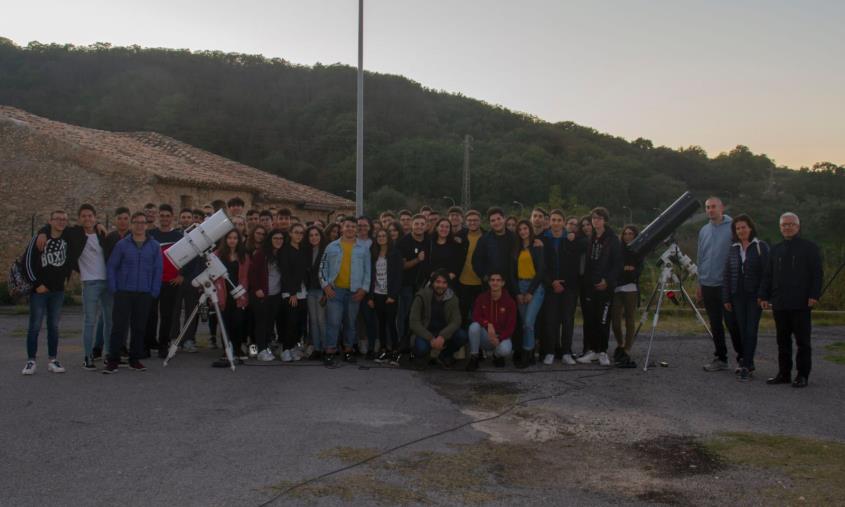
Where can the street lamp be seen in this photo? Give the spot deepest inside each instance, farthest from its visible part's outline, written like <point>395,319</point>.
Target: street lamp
<point>449,198</point>
<point>521,208</point>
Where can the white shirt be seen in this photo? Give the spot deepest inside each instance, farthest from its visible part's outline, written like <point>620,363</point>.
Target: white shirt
<point>92,264</point>
<point>628,287</point>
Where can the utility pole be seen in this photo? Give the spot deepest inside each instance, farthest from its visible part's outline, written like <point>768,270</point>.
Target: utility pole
<point>359,148</point>
<point>465,194</point>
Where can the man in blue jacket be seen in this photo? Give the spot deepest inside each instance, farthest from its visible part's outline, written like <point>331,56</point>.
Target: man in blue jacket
<point>345,278</point>
<point>134,276</point>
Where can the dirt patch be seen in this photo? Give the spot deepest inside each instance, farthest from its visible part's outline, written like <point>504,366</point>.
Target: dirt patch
<point>348,455</point>
<point>675,456</point>
<point>476,392</point>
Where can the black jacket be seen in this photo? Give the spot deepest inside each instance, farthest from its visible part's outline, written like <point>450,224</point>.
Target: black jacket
<point>538,257</point>
<point>76,239</point>
<point>626,277</point>
<point>749,274</point>
<point>793,275</point>
<point>564,263</point>
<point>604,259</point>
<point>395,266</point>
<point>313,272</point>
<point>293,266</point>
<point>449,256</point>
<point>489,256</point>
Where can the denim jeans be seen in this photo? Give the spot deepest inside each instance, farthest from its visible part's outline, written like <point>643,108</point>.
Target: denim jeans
<point>529,313</point>
<point>341,311</point>
<point>49,303</point>
<point>422,347</point>
<point>95,296</point>
<point>316,319</point>
<point>478,338</point>
<point>747,314</point>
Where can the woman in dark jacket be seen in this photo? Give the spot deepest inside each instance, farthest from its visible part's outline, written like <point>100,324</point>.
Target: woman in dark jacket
<point>385,285</point>
<point>743,274</point>
<point>444,252</point>
<point>626,298</point>
<point>293,263</point>
<point>528,272</point>
<point>316,300</point>
<point>265,289</point>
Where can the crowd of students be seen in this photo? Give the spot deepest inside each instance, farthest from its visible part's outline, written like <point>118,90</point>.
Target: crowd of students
<point>407,285</point>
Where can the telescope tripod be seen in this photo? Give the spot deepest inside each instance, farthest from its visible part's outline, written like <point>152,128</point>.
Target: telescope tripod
<point>668,283</point>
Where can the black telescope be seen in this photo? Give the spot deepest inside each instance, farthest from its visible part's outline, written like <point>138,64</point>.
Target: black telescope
<point>664,225</point>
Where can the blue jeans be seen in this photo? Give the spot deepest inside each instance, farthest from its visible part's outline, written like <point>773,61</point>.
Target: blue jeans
<point>422,348</point>
<point>747,314</point>
<point>478,338</point>
<point>529,313</point>
<point>316,319</point>
<point>341,311</point>
<point>49,303</point>
<point>95,295</point>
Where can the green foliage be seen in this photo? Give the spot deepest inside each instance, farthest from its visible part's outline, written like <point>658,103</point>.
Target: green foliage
<point>299,122</point>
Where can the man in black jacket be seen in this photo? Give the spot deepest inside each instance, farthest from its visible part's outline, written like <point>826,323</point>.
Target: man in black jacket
<point>495,249</point>
<point>791,287</point>
<point>562,253</point>
<point>604,265</point>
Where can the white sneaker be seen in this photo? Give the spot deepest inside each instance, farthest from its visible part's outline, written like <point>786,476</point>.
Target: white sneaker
<point>190,347</point>
<point>253,351</point>
<point>603,359</point>
<point>29,369</point>
<point>588,358</point>
<point>296,354</point>
<point>549,359</point>
<point>568,359</point>
<point>265,355</point>
<point>287,356</point>
<point>55,367</point>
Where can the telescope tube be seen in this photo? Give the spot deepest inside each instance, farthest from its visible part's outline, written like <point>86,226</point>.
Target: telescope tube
<point>664,225</point>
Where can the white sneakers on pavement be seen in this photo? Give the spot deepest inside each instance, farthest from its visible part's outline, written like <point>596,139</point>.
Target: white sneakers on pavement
<point>568,360</point>
<point>29,369</point>
<point>603,359</point>
<point>588,358</point>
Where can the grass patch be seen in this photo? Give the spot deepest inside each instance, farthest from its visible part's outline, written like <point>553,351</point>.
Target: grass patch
<point>836,352</point>
<point>813,468</point>
<point>348,455</point>
<point>353,488</point>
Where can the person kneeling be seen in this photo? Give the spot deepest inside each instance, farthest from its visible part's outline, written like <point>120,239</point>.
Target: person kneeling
<point>435,321</point>
<point>493,323</point>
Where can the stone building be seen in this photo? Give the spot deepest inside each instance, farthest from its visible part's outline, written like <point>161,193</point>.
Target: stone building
<point>47,165</point>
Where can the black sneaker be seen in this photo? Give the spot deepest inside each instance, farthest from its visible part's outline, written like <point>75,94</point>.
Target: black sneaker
<point>447,363</point>
<point>328,361</point>
<point>521,362</point>
<point>498,362</point>
<point>800,382</point>
<point>618,354</point>
<point>744,375</point>
<point>371,356</point>
<point>394,358</point>
<point>472,365</point>
<point>778,379</point>
<point>88,364</point>
<point>110,368</point>
<point>349,357</point>
<point>137,366</point>
<point>97,353</point>
<point>382,358</point>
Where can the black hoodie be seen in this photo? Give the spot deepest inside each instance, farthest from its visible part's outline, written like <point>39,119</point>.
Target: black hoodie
<point>604,259</point>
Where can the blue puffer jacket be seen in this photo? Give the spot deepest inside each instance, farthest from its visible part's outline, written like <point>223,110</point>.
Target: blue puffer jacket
<point>749,274</point>
<point>133,269</point>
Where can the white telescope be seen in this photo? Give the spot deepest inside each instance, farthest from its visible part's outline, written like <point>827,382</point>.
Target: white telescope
<point>199,239</point>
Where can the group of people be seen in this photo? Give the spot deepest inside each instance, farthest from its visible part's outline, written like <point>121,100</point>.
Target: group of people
<point>418,285</point>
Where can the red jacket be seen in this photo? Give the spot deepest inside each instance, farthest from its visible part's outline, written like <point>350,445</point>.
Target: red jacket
<point>259,274</point>
<point>501,313</point>
<point>243,281</point>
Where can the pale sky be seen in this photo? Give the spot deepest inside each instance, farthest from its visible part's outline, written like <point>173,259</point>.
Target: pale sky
<point>767,74</point>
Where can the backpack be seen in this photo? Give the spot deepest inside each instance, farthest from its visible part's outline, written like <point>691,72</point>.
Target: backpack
<point>19,283</point>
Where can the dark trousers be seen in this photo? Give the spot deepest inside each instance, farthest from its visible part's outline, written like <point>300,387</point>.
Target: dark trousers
<point>160,320</point>
<point>467,295</point>
<point>264,316</point>
<point>747,314</point>
<point>131,311</point>
<point>787,324</point>
<point>188,298</point>
<point>716,313</point>
<point>597,319</point>
<point>559,312</point>
<point>422,347</point>
<point>292,317</point>
<point>233,319</point>
<point>386,317</point>
<point>582,298</point>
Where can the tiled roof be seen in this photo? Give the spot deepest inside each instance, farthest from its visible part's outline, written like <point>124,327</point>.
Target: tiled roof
<point>173,161</point>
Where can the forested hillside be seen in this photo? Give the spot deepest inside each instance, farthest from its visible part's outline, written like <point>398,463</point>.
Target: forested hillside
<point>299,122</point>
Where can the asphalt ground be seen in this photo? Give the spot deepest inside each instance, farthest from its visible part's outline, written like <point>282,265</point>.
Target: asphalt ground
<point>189,434</point>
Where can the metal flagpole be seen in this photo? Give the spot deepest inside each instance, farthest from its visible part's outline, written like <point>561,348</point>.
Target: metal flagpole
<point>359,155</point>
